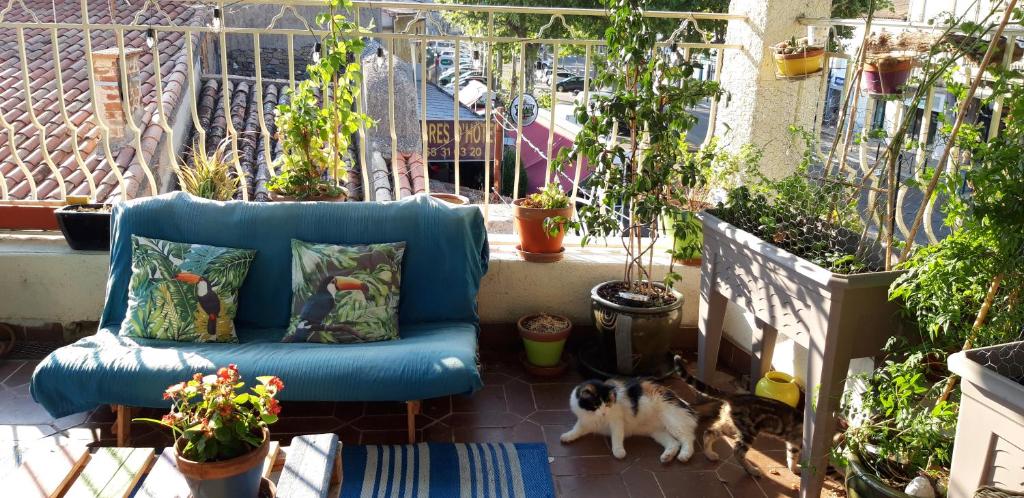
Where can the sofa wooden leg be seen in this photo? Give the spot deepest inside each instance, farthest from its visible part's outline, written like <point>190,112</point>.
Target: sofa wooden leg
<point>412,408</point>
<point>122,426</point>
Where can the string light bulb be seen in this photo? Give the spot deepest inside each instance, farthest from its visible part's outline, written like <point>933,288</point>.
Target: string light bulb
<point>316,53</point>
<point>150,37</point>
<point>216,18</point>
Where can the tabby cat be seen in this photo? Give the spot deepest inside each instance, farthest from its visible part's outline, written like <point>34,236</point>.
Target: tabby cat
<point>746,416</point>
<point>633,407</point>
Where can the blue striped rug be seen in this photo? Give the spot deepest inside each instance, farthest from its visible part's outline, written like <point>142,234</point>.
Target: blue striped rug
<point>445,470</point>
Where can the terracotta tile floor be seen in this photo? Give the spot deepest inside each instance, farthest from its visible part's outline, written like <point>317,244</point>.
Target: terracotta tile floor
<point>510,407</point>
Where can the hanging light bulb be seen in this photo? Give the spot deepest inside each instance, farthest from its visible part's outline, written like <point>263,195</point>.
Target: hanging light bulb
<point>316,53</point>
<point>380,58</point>
<point>216,17</point>
<point>150,37</point>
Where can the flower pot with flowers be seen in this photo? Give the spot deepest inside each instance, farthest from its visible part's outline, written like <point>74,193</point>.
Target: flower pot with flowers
<point>221,436</point>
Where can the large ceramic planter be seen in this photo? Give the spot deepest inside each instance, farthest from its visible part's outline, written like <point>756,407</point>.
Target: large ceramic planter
<point>543,349</point>
<point>862,483</point>
<point>632,340</point>
<point>86,227</point>
<point>801,63</point>
<point>887,77</point>
<point>235,478</point>
<point>989,445</point>
<point>535,243</point>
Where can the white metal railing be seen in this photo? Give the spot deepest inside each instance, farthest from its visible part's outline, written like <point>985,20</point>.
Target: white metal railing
<point>181,52</point>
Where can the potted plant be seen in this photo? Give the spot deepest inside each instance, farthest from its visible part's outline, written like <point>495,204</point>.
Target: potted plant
<point>544,337</point>
<point>221,436</point>
<point>636,182</point>
<point>210,176</point>
<point>889,59</point>
<point>316,133</point>
<point>721,171</point>
<point>540,220</point>
<point>798,57</point>
<point>86,226</point>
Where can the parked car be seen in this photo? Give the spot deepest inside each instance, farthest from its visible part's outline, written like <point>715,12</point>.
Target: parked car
<point>591,95</point>
<point>572,84</point>
<point>558,77</point>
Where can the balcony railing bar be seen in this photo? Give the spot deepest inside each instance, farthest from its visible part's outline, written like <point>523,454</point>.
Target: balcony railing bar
<point>889,24</point>
<point>40,128</point>
<point>127,107</point>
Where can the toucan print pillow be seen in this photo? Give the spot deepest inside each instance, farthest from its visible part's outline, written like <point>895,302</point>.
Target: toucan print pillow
<point>345,294</point>
<point>184,292</point>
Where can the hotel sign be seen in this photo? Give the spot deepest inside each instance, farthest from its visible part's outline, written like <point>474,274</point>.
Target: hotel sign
<point>441,140</point>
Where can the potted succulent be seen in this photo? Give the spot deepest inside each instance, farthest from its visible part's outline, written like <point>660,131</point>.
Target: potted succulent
<point>316,133</point>
<point>636,182</point>
<point>86,226</point>
<point>798,57</point>
<point>540,220</point>
<point>221,436</point>
<point>544,337</point>
<point>210,176</point>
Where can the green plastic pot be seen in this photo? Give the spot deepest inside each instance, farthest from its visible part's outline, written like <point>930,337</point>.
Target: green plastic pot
<point>687,234</point>
<point>543,349</point>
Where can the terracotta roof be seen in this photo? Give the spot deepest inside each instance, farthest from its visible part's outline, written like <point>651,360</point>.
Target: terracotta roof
<point>53,129</point>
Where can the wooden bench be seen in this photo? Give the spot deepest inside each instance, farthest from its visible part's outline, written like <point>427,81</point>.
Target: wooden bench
<point>309,468</point>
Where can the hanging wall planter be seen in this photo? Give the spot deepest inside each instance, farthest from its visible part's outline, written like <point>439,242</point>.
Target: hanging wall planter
<point>796,58</point>
<point>886,76</point>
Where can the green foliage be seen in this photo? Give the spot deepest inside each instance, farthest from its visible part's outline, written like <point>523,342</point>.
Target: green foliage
<point>214,422</point>
<point>317,124</point>
<point>551,197</point>
<point>544,100</point>
<point>508,174</point>
<point>210,177</point>
<point>903,427</point>
<point>650,92</point>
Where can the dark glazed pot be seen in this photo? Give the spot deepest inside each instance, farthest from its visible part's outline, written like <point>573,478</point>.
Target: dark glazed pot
<point>632,340</point>
<point>85,230</point>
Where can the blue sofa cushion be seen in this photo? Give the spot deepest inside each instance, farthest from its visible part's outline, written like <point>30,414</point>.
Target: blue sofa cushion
<point>445,252</point>
<point>430,360</point>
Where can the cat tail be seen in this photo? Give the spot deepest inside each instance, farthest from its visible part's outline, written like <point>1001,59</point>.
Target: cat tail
<point>702,389</point>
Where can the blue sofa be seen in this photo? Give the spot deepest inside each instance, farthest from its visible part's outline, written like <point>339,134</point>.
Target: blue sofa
<point>446,256</point>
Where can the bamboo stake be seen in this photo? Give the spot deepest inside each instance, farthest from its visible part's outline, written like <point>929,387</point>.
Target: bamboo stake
<point>990,297</point>
<point>940,168</point>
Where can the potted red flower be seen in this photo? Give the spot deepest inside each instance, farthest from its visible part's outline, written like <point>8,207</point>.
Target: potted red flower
<point>221,436</point>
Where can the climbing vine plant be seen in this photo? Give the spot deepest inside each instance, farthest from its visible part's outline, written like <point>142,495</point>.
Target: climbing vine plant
<point>317,123</point>
<point>651,87</point>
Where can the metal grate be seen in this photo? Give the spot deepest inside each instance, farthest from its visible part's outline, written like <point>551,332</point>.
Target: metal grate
<point>31,350</point>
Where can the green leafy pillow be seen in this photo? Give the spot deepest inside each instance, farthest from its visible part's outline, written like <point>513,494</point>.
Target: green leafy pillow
<point>345,294</point>
<point>184,292</point>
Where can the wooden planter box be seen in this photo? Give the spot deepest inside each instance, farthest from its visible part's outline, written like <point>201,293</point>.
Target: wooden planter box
<point>989,445</point>
<point>835,317</point>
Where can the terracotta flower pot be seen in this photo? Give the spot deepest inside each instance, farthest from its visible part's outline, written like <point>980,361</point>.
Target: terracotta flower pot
<point>277,197</point>
<point>887,77</point>
<point>543,349</point>
<point>533,237</point>
<point>458,200</point>
<point>800,63</point>
<point>238,477</point>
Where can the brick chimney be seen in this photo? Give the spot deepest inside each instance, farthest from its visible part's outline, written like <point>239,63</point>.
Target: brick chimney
<point>109,91</point>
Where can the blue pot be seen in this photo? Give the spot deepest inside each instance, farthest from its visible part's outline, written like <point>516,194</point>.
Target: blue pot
<point>238,477</point>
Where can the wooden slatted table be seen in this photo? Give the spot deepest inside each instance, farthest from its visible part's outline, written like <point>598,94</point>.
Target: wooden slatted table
<point>308,468</point>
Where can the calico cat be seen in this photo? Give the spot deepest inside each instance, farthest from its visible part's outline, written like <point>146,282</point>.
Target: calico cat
<point>633,407</point>
<point>746,416</point>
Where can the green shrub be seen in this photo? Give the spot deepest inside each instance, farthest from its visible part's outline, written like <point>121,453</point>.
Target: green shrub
<point>508,172</point>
